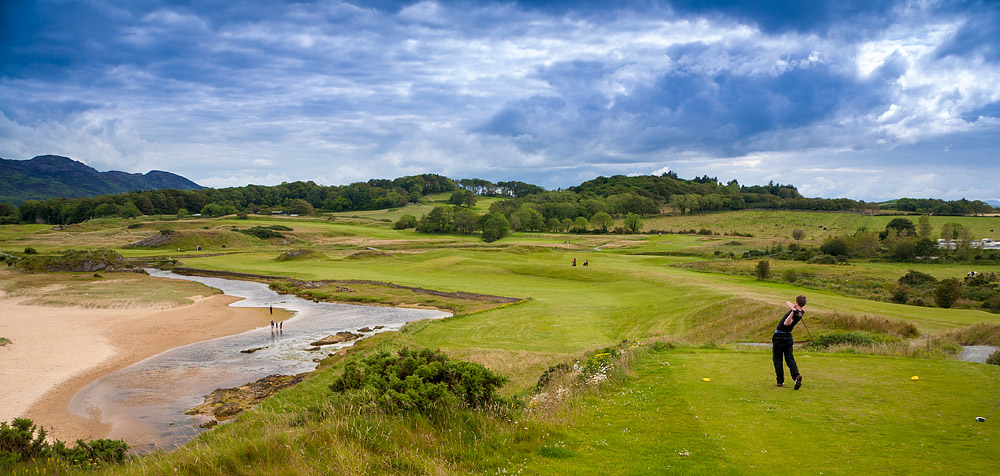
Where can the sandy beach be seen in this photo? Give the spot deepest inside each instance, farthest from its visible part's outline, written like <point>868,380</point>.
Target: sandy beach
<point>56,351</point>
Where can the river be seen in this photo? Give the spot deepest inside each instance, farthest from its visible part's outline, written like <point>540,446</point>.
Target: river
<point>145,402</point>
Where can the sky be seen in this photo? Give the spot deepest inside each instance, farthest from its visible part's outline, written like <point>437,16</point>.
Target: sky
<point>861,99</point>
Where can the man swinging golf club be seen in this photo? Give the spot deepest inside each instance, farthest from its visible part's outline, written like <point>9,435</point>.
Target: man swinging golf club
<point>782,342</point>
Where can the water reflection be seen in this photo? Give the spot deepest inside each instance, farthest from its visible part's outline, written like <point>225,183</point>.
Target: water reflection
<point>145,402</point>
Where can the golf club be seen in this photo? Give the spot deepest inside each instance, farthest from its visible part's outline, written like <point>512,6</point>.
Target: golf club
<point>982,419</point>
<point>807,329</point>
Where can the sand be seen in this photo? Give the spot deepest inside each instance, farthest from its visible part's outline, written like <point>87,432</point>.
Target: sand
<point>56,351</point>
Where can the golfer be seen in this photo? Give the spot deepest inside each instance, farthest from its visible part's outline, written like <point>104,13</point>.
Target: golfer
<point>782,341</point>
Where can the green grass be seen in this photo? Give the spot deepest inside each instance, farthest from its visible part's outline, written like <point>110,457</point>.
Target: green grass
<point>855,413</point>
<point>779,224</point>
<point>4,341</point>
<point>852,414</point>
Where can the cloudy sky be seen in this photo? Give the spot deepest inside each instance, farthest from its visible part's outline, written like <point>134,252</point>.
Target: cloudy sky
<point>840,98</point>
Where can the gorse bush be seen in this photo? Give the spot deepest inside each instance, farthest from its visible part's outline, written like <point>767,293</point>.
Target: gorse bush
<point>262,232</point>
<point>994,358</point>
<point>835,338</point>
<point>19,442</point>
<point>916,278</point>
<point>419,380</point>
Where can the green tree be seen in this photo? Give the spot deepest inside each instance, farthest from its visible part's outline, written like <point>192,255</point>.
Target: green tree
<point>602,221</point>
<point>182,213</point>
<point>862,244</point>
<point>904,248</point>
<point>679,202</point>
<point>130,211</point>
<point>299,207</point>
<point>554,225</point>
<point>763,269</point>
<point>212,210</point>
<point>529,219</point>
<point>924,228</point>
<point>494,226</point>
<point>581,225</point>
<point>798,234</point>
<point>438,220</point>
<point>465,221</point>
<point>901,226</point>
<point>834,246</point>
<point>947,292</point>
<point>406,221</point>
<point>632,223</point>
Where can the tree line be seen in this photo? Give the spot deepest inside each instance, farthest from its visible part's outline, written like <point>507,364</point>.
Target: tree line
<point>525,206</point>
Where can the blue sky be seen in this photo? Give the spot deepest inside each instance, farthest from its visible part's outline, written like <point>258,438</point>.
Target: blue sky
<point>842,98</point>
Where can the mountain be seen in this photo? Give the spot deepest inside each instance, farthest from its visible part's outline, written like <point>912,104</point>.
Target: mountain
<point>53,176</point>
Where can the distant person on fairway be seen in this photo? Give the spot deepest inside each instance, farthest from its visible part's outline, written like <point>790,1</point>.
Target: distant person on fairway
<point>782,342</point>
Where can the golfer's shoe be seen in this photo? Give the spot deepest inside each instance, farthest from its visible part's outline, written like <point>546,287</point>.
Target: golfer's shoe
<point>781,384</point>
<point>798,382</point>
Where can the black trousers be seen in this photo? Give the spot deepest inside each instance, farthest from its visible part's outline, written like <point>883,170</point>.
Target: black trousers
<point>782,348</point>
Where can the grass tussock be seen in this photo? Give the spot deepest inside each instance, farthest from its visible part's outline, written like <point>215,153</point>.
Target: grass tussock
<point>866,323</point>
<point>742,319</point>
<point>983,333</point>
<point>926,349</point>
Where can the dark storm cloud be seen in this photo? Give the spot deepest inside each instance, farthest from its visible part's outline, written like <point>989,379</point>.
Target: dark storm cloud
<point>546,92</point>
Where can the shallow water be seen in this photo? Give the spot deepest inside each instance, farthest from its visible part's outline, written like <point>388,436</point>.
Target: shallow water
<point>145,401</point>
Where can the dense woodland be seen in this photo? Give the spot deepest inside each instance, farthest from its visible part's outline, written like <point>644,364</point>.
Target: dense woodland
<point>526,207</point>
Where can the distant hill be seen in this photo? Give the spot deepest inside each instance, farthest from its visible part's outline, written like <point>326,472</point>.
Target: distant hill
<point>53,176</point>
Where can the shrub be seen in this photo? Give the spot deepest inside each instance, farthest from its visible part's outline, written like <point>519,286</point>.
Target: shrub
<point>418,380</point>
<point>900,295</point>
<point>798,233</point>
<point>947,292</point>
<point>834,338</point>
<point>704,231</point>
<point>261,232</point>
<point>993,303</point>
<point>19,442</point>
<point>406,221</point>
<point>763,269</point>
<point>835,246</point>
<point>916,278</point>
<point>994,358</point>
<point>823,259</point>
<point>789,275</point>
<point>30,251</point>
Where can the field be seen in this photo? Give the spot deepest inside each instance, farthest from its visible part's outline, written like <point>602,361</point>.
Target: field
<point>854,412</point>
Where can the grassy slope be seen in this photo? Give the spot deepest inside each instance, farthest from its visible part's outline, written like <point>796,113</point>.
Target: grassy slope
<point>622,294</point>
